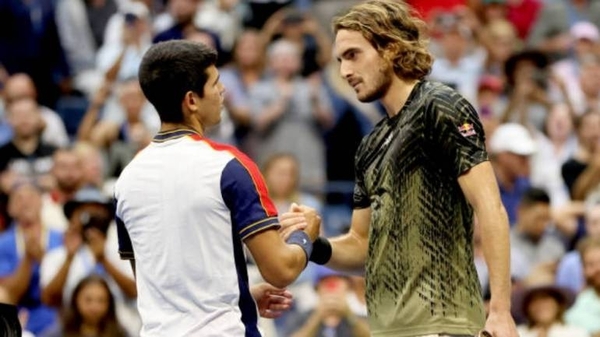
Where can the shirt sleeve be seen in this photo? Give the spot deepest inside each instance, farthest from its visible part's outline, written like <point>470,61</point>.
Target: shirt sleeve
<point>125,246</point>
<point>245,194</point>
<point>124,241</point>
<point>457,132</point>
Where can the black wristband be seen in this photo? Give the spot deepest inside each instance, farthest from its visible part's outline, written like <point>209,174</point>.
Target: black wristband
<point>321,252</point>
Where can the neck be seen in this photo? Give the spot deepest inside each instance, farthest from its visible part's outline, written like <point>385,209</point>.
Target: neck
<point>26,144</point>
<point>396,95</point>
<point>193,126</point>
<point>88,329</point>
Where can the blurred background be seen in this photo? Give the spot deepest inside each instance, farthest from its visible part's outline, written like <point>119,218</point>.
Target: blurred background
<point>72,115</point>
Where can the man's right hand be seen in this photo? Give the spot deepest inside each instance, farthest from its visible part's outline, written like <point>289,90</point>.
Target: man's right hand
<point>313,220</point>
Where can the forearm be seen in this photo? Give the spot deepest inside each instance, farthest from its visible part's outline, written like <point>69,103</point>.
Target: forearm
<point>88,122</point>
<point>586,182</point>
<point>496,250</point>
<point>283,265</point>
<point>126,284</point>
<point>349,252</point>
<point>17,283</point>
<point>310,327</point>
<point>52,293</point>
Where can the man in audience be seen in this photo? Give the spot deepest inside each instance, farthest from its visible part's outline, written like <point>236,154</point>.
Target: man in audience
<point>22,248</point>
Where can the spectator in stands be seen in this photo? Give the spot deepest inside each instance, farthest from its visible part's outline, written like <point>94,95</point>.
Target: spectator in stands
<point>527,78</point>
<point>585,37</point>
<point>121,140</point>
<point>22,248</point>
<point>123,54</point>
<point>556,144</point>
<point>500,39</point>
<point>305,32</point>
<point>570,269</point>
<point>458,65</point>
<point>586,310</point>
<point>26,155</point>
<point>581,172</point>
<point>81,29</point>
<point>510,149</point>
<point>223,18</point>
<point>550,32</point>
<point>30,44</point>
<point>535,248</point>
<point>180,20</point>
<point>588,84</point>
<point>489,97</point>
<point>21,86</point>
<point>92,312</point>
<point>332,315</point>
<point>90,247</point>
<point>544,308</point>
<point>245,70</point>
<point>286,108</point>
<point>282,176</point>
<point>94,167</point>
<point>67,170</point>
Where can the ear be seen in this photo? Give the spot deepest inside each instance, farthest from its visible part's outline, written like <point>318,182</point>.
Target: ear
<point>191,102</point>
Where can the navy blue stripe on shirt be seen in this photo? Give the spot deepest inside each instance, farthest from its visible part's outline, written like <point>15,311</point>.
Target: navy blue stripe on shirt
<point>246,302</point>
<point>244,201</point>
<point>125,246</point>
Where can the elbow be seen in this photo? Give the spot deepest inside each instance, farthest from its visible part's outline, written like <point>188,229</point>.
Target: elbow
<point>284,271</point>
<point>281,278</point>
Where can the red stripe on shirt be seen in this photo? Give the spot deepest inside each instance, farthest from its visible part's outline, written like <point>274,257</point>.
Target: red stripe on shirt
<point>250,166</point>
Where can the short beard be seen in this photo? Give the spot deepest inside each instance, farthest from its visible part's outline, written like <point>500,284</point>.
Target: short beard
<point>383,81</point>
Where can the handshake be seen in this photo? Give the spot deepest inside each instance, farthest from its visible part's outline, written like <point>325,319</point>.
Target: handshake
<point>300,218</point>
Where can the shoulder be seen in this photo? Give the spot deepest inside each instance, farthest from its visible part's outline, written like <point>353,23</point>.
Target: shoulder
<point>440,98</point>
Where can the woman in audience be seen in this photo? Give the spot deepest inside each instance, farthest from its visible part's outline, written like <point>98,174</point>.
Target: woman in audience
<point>92,312</point>
<point>544,307</point>
<point>246,69</point>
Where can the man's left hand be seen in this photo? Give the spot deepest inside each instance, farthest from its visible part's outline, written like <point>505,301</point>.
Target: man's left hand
<point>271,301</point>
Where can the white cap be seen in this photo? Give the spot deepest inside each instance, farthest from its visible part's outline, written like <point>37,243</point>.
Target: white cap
<point>136,8</point>
<point>514,138</point>
<point>585,30</point>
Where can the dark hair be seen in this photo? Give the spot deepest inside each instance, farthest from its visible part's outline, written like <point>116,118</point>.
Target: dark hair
<point>109,325</point>
<point>9,321</point>
<point>169,70</point>
<point>534,196</point>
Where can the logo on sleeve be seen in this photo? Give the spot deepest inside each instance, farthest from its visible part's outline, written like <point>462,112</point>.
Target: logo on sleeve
<point>467,130</point>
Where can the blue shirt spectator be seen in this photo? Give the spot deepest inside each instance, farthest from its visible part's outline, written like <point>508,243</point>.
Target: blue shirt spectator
<point>41,317</point>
